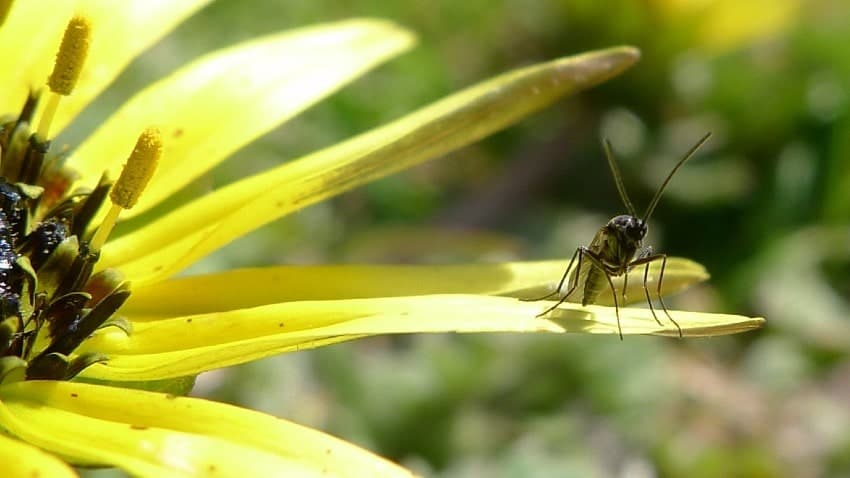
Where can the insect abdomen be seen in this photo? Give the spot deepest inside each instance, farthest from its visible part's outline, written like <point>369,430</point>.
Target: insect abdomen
<point>594,284</point>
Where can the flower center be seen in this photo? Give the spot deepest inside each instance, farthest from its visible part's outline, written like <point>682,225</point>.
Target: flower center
<point>50,302</point>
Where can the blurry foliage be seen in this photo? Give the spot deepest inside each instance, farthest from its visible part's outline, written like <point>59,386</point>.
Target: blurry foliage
<point>765,206</point>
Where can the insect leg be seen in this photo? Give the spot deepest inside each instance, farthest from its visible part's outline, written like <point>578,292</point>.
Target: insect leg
<point>625,285</point>
<point>595,261</point>
<point>646,260</point>
<point>561,283</point>
<point>580,253</point>
<point>661,299</point>
<point>646,291</point>
<point>644,252</point>
<point>616,305</point>
<point>642,258</point>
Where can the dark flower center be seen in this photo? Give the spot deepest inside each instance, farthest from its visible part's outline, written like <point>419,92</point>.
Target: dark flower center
<point>50,301</point>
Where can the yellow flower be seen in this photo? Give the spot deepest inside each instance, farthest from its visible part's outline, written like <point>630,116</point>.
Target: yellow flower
<point>80,306</point>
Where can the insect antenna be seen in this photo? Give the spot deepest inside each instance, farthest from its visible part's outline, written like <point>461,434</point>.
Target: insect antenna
<point>687,156</point>
<point>615,171</point>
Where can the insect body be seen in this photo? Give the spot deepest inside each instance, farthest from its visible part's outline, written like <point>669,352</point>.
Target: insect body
<point>616,249</point>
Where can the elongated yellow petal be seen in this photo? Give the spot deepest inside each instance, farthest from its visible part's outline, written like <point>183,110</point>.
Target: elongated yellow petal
<point>287,283</point>
<point>190,345</point>
<point>20,460</point>
<point>199,432</point>
<point>193,231</point>
<point>140,450</point>
<point>121,30</point>
<point>221,102</point>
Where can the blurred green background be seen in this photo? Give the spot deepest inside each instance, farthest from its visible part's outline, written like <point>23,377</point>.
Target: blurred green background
<point>765,206</point>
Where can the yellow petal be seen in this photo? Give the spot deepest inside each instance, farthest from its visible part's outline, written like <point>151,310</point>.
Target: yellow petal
<point>28,43</point>
<point>168,433</point>
<point>21,460</point>
<point>190,345</point>
<point>722,25</point>
<point>270,285</point>
<point>139,450</point>
<point>121,31</point>
<point>26,64</point>
<point>202,226</point>
<point>219,103</point>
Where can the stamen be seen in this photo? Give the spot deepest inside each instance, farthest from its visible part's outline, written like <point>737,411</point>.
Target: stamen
<point>69,63</point>
<point>5,7</point>
<point>99,237</point>
<point>134,177</point>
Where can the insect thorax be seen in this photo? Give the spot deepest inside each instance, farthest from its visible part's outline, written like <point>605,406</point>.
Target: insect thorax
<point>624,238</point>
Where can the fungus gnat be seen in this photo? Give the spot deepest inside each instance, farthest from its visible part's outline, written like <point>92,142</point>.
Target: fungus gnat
<point>616,248</point>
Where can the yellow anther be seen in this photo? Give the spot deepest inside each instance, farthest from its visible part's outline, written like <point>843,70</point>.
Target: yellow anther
<point>71,56</point>
<point>5,7</point>
<point>134,177</point>
<point>69,63</point>
<point>139,168</point>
